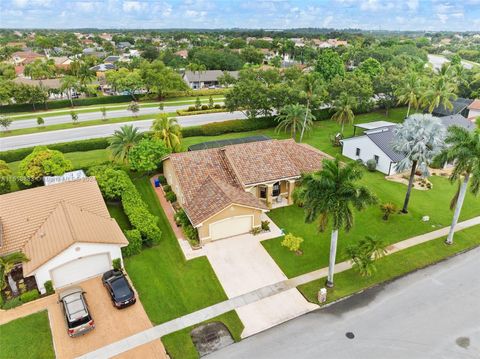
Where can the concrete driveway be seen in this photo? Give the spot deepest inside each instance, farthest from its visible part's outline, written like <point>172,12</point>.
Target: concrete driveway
<point>111,325</point>
<point>242,265</point>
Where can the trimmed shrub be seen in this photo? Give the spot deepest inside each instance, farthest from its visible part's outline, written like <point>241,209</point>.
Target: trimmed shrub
<point>219,128</point>
<point>181,218</point>
<point>292,242</point>
<point>29,296</point>
<point>256,230</point>
<point>199,112</point>
<point>371,165</point>
<point>217,106</point>
<point>117,264</point>
<point>162,179</point>
<point>265,225</point>
<point>49,287</point>
<point>112,182</point>
<point>167,188</point>
<point>134,243</point>
<point>171,196</point>
<point>191,233</point>
<point>204,107</point>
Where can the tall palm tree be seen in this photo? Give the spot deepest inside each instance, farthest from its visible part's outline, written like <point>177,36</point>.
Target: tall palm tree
<point>409,91</point>
<point>68,84</point>
<point>332,194</point>
<point>442,93</point>
<point>344,107</point>
<point>311,85</point>
<point>168,130</point>
<point>7,263</point>
<point>420,138</point>
<point>463,148</point>
<point>123,140</point>
<point>294,118</point>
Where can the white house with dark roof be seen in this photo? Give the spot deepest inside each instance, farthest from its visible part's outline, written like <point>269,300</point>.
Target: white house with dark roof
<point>376,142</point>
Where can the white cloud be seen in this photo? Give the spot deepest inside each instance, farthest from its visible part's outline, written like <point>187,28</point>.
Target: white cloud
<point>20,3</point>
<point>443,18</point>
<point>86,6</point>
<point>412,4</point>
<point>133,6</point>
<point>326,22</point>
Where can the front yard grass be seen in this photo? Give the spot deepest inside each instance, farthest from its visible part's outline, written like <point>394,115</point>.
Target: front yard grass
<point>394,266</point>
<point>26,338</point>
<point>179,345</point>
<point>316,246</point>
<point>168,285</point>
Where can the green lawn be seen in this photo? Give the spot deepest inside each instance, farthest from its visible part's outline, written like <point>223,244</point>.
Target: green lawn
<point>168,285</point>
<point>26,338</point>
<point>395,265</point>
<point>179,345</point>
<point>433,203</point>
<point>116,211</point>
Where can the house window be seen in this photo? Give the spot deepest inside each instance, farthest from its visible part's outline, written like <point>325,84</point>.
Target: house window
<point>357,152</point>
<point>276,189</point>
<point>263,192</point>
<point>376,158</point>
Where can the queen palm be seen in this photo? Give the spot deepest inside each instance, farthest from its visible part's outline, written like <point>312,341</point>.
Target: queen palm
<point>464,150</point>
<point>122,142</point>
<point>7,263</point>
<point>344,107</point>
<point>311,85</point>
<point>409,91</point>
<point>441,94</point>
<point>420,138</point>
<point>294,118</point>
<point>168,130</point>
<point>332,194</point>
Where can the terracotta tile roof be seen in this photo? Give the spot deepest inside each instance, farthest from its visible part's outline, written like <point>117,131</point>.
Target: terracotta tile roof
<point>24,213</point>
<point>475,105</point>
<point>215,196</point>
<point>214,178</point>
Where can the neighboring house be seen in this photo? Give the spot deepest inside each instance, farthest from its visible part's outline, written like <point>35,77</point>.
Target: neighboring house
<point>225,190</point>
<point>64,229</point>
<point>124,45</point>
<point>202,79</point>
<point>25,57</point>
<point>182,53</point>
<point>61,62</point>
<point>111,59</point>
<point>474,110</point>
<point>102,68</point>
<point>93,52</point>
<point>46,83</point>
<point>376,142</point>
<point>460,107</point>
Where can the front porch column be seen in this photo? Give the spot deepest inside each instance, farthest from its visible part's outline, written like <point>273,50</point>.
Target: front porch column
<point>291,187</point>
<point>269,195</point>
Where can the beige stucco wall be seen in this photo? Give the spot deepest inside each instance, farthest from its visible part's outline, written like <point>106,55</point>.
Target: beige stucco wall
<point>172,179</point>
<point>231,211</point>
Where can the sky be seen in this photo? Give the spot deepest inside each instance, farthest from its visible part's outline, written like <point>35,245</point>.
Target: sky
<point>454,15</point>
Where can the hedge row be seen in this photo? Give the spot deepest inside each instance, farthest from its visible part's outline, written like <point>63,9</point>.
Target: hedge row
<point>102,100</point>
<point>199,112</point>
<point>219,128</point>
<point>116,184</point>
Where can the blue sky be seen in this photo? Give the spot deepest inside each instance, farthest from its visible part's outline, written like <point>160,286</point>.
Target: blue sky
<point>455,15</point>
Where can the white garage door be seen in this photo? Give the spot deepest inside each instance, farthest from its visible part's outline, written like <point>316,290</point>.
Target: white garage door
<point>80,269</point>
<point>231,227</point>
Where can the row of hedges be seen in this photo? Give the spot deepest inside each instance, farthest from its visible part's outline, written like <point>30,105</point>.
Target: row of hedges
<point>200,112</point>
<point>22,299</point>
<point>115,184</point>
<point>102,100</point>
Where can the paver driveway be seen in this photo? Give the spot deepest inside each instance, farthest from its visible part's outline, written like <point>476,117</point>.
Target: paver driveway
<point>111,325</point>
<point>243,265</point>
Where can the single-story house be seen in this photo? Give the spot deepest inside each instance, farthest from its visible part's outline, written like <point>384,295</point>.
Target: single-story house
<point>474,110</point>
<point>460,107</point>
<point>45,83</point>
<point>225,190</point>
<point>202,79</point>
<point>64,229</point>
<point>375,142</point>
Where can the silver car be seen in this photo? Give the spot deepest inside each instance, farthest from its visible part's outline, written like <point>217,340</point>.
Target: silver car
<point>75,308</point>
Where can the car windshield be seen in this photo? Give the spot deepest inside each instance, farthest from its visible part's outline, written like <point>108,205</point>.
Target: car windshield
<point>121,289</point>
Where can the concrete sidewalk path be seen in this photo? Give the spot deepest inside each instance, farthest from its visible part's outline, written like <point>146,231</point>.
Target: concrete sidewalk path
<point>243,300</point>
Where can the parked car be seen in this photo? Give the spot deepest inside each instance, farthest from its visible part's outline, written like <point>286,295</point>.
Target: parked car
<point>75,308</point>
<point>119,288</point>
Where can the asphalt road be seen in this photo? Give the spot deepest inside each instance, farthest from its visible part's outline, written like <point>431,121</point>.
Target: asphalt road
<point>81,133</point>
<point>438,60</point>
<point>432,313</point>
<point>90,116</point>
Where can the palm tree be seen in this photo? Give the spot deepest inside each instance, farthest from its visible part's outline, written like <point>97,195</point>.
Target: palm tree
<point>343,107</point>
<point>333,193</point>
<point>69,83</point>
<point>419,139</point>
<point>409,91</point>
<point>294,118</point>
<point>123,140</point>
<point>7,263</point>
<point>168,130</point>
<point>310,86</point>
<point>464,150</point>
<point>442,93</point>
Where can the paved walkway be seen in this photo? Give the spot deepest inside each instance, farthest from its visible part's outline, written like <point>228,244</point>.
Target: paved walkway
<point>251,297</point>
<point>27,309</point>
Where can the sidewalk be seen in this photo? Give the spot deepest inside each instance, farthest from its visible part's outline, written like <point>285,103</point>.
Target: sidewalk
<point>197,317</point>
<point>27,309</point>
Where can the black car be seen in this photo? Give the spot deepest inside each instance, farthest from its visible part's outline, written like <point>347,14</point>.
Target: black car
<point>119,288</point>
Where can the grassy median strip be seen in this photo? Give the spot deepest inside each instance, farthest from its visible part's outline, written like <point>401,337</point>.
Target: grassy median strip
<point>179,101</point>
<point>179,345</point>
<point>393,266</point>
<point>27,338</point>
